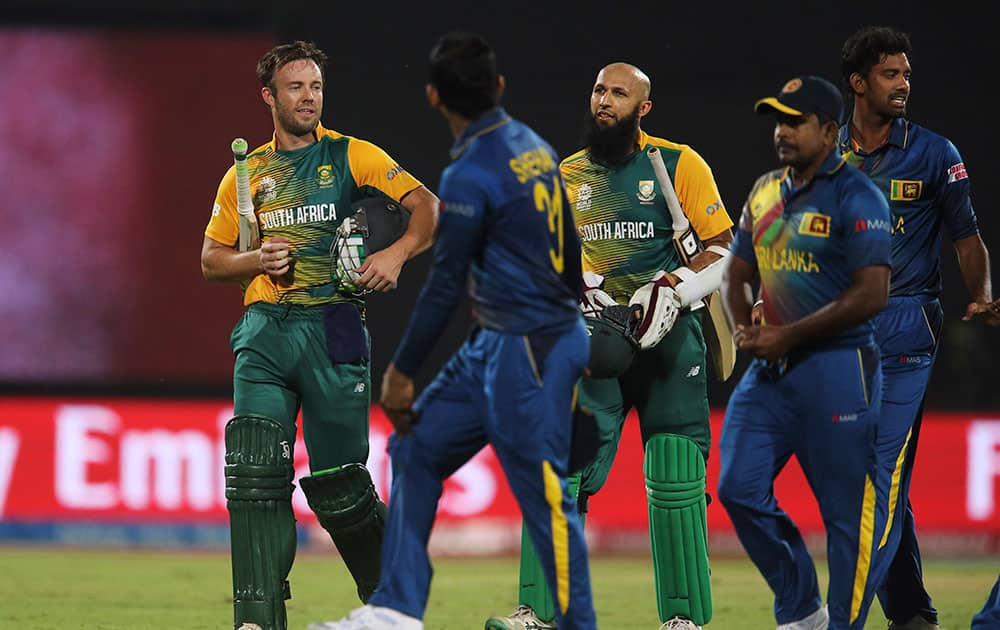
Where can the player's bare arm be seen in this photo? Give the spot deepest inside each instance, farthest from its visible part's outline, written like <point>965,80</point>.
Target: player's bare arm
<point>867,295</point>
<point>381,270</point>
<point>974,261</point>
<point>222,263</point>
<point>397,398</point>
<point>736,283</point>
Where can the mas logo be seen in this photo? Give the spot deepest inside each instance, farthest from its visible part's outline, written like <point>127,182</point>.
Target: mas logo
<point>325,175</point>
<point>905,190</point>
<point>646,192</point>
<point>815,224</point>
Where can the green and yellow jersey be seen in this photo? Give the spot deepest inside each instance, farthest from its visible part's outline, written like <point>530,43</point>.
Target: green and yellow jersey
<point>622,216</point>
<point>303,195</point>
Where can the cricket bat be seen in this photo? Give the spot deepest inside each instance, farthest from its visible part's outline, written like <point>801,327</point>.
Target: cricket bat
<point>249,229</point>
<point>718,336</point>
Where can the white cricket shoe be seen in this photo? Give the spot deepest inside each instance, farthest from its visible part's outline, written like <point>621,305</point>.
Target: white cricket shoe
<point>819,620</point>
<point>917,623</point>
<point>524,618</point>
<point>249,626</point>
<point>371,618</point>
<point>679,623</point>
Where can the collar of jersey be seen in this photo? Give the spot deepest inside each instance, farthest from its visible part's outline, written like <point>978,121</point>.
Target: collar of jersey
<point>493,119</point>
<point>318,133</point>
<point>899,136</point>
<point>833,163</point>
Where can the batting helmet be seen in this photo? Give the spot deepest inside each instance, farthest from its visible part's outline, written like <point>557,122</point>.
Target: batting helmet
<point>612,341</point>
<point>374,224</point>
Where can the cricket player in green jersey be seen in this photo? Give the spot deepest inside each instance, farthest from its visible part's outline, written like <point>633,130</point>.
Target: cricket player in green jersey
<point>629,257</point>
<point>302,342</point>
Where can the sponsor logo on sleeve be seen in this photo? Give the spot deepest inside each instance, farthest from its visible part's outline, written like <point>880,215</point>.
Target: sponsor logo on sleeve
<point>815,224</point>
<point>905,190</point>
<point>867,225</point>
<point>845,417</point>
<point>456,207</point>
<point>216,209</point>
<point>712,209</point>
<point>957,172</point>
<point>393,172</point>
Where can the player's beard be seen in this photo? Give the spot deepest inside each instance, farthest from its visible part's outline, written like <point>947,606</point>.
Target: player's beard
<point>613,144</point>
<point>289,122</point>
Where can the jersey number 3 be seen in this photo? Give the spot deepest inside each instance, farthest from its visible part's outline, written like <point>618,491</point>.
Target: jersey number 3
<point>552,205</point>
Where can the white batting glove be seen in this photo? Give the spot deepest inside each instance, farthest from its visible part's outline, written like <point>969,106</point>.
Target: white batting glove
<point>594,297</point>
<point>660,306</point>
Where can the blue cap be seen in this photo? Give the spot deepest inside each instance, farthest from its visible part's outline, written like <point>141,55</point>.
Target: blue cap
<point>805,95</point>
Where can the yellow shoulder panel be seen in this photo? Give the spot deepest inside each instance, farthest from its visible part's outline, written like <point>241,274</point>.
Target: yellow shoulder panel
<point>699,195</point>
<point>371,166</point>
<point>224,225</point>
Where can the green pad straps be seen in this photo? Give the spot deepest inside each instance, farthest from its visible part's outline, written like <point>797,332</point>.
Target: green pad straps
<point>261,524</point>
<point>675,489</point>
<point>347,507</point>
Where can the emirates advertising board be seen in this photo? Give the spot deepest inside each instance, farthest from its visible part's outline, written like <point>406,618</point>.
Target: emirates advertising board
<point>150,472</point>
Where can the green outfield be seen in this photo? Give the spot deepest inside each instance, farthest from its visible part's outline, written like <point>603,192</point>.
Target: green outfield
<point>109,590</point>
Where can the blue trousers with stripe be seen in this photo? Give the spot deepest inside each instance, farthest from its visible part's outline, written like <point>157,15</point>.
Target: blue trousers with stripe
<point>989,617</point>
<point>515,393</point>
<point>823,408</point>
<point>907,332</point>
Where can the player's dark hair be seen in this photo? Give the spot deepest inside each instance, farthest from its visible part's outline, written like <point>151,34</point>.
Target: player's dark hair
<point>463,68</point>
<point>824,118</point>
<point>277,57</point>
<point>866,48</point>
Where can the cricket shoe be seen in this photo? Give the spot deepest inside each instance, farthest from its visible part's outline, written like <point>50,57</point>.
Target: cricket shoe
<point>249,626</point>
<point>679,623</point>
<point>917,623</point>
<point>819,620</point>
<point>524,618</point>
<point>371,618</point>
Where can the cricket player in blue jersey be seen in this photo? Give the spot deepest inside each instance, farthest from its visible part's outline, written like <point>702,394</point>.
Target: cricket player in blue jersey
<point>989,617</point>
<point>505,227</point>
<point>924,180</point>
<point>816,236</point>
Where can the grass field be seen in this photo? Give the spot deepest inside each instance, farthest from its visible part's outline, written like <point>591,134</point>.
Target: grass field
<point>61,589</point>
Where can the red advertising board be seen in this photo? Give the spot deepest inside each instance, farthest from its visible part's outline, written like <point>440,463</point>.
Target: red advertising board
<point>153,462</point>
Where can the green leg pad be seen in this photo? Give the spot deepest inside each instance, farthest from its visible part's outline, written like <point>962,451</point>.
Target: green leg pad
<point>534,591</point>
<point>261,523</point>
<point>347,507</point>
<point>675,490</point>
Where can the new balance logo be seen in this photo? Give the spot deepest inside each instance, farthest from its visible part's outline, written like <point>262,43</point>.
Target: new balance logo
<point>359,388</point>
<point>694,371</point>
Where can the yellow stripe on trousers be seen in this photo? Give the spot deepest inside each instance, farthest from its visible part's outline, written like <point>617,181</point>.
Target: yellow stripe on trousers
<point>894,489</point>
<point>560,534</point>
<point>866,533</point>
